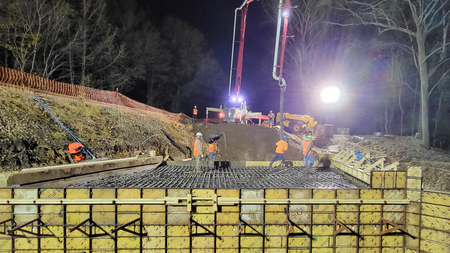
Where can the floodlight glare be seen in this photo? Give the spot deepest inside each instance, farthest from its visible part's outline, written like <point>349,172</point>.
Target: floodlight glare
<point>330,95</point>
<point>233,99</point>
<point>240,99</point>
<point>285,13</point>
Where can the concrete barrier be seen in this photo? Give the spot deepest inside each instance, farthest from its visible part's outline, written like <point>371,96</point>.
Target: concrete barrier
<point>35,175</point>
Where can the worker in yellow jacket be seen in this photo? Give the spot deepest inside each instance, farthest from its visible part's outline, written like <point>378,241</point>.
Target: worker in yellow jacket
<point>282,146</point>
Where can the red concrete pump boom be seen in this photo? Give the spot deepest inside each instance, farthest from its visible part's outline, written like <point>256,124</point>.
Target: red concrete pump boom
<point>237,87</point>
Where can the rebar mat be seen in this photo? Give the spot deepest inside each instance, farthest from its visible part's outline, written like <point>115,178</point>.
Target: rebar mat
<point>170,176</point>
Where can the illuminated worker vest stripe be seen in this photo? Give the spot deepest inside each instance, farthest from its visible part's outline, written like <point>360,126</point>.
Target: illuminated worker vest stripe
<point>195,111</point>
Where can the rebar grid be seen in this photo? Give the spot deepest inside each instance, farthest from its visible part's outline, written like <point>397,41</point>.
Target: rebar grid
<point>171,176</point>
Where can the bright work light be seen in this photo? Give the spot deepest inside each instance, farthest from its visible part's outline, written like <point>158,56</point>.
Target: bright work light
<point>330,94</point>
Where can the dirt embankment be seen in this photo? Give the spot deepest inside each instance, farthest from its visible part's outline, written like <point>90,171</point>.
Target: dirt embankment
<point>406,150</point>
<point>30,137</point>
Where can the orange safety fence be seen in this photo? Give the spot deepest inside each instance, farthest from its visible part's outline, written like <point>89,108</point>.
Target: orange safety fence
<point>26,81</point>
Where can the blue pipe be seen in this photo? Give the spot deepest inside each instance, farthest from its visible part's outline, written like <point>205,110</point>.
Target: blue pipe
<point>61,124</point>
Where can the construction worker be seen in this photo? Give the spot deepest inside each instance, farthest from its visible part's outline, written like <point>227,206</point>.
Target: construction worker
<point>282,146</point>
<point>77,151</point>
<point>194,113</point>
<point>212,147</point>
<point>307,151</point>
<point>198,151</point>
<point>271,117</point>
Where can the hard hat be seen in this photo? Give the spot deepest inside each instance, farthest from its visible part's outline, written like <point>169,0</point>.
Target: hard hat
<point>195,106</point>
<point>286,138</point>
<point>199,134</point>
<point>270,111</point>
<point>214,136</point>
<point>308,138</point>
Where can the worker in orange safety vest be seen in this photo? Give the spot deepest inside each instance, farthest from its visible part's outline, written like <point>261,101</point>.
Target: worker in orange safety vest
<point>282,146</point>
<point>77,151</point>
<point>198,151</point>
<point>271,118</point>
<point>307,151</point>
<point>194,113</point>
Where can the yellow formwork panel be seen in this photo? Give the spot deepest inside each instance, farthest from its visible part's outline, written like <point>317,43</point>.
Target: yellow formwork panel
<point>231,193</point>
<point>346,250</point>
<point>227,242</point>
<point>99,244</point>
<point>25,213</point>
<point>177,231</point>
<point>126,251</point>
<point>436,223</point>
<point>414,195</point>
<point>153,242</point>
<point>392,241</point>
<point>178,251</point>
<point>436,211</point>
<point>126,217</point>
<point>204,193</point>
<point>52,242</point>
<point>202,250</point>
<point>323,218</point>
<point>178,242</point>
<point>411,251</point>
<point>395,217</point>
<point>376,179</point>
<point>77,194</point>
<point>433,247</point>
<point>251,241</point>
<point>392,250</point>
<point>203,218</point>
<point>104,218</point>
<point>5,194</point>
<point>274,250</point>
<point>275,230</point>
<point>322,229</point>
<point>103,194</point>
<point>25,244</point>
<point>323,194</point>
<point>401,179</point>
<point>347,217</point>
<point>77,243</point>
<point>389,179</point>
<point>153,194</point>
<point>298,251</point>
<point>227,218</point>
<point>300,213</point>
<point>128,194</point>
<point>155,230</point>
<point>52,214</point>
<point>413,183</point>
<point>153,218</point>
<point>275,242</point>
<point>414,208</point>
<point>276,194</point>
<point>322,241</point>
<point>251,250</point>
<point>128,242</point>
<point>413,219</point>
<point>436,198</point>
<point>224,230</point>
<point>275,218</point>
<point>227,250</point>
<point>346,194</point>
<point>259,163</point>
<point>76,218</point>
<point>435,236</point>
<point>414,172</point>
<point>370,241</point>
<point>299,242</point>
<point>204,209</point>
<point>370,217</point>
<point>203,242</point>
<point>5,244</point>
<point>253,218</point>
<point>199,230</point>
<point>343,241</point>
<point>370,194</point>
<point>177,215</point>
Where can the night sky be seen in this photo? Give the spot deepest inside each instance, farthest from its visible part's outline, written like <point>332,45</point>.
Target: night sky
<point>215,19</point>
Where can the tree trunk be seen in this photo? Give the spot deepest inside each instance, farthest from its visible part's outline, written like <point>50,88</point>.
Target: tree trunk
<point>423,74</point>
<point>437,118</point>
<point>83,56</point>
<point>401,109</point>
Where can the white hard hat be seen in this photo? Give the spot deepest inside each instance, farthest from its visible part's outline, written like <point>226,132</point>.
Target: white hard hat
<point>199,134</point>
